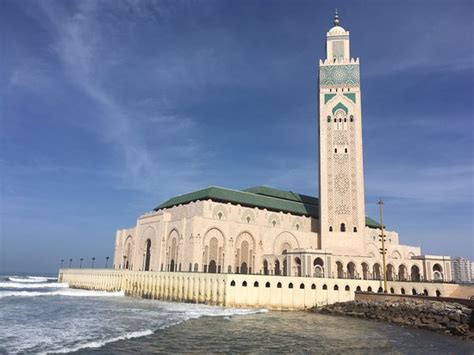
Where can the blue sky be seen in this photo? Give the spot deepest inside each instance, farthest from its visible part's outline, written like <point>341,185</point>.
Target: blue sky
<point>109,107</point>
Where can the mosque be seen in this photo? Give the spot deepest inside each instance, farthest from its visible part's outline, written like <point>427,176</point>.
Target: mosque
<point>261,230</point>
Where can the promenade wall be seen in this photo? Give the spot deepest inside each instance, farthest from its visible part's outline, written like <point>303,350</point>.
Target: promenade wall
<point>237,290</point>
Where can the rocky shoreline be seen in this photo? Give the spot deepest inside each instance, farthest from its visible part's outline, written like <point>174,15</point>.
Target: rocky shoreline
<point>450,318</point>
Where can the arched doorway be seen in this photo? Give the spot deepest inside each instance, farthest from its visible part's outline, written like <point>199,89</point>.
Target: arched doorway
<point>212,267</point>
<point>437,272</point>
<point>340,270</point>
<point>171,265</point>
<point>376,273</point>
<point>277,267</point>
<point>402,272</point>
<point>265,267</point>
<point>351,270</point>
<point>243,268</point>
<point>365,271</point>
<point>415,273</point>
<point>318,267</point>
<point>390,272</point>
<point>147,255</point>
<point>298,266</point>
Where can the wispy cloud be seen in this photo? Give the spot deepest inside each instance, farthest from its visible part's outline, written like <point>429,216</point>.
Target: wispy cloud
<point>81,42</point>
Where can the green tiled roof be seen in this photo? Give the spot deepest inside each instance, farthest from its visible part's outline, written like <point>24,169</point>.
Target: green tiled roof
<point>259,196</point>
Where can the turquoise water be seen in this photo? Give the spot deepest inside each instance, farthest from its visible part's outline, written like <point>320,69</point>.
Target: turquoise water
<point>38,315</point>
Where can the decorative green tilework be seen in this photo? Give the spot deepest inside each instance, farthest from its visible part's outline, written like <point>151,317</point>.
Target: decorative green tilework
<point>339,75</point>
<point>351,96</point>
<point>328,97</point>
<point>339,106</point>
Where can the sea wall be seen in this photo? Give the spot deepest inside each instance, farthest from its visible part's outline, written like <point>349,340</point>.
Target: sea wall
<point>237,290</point>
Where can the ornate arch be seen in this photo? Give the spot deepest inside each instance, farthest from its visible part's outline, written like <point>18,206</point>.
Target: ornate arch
<point>213,246</point>
<point>395,255</point>
<point>281,239</point>
<point>172,250</point>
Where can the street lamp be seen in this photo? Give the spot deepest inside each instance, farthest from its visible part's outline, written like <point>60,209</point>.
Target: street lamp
<point>62,263</point>
<point>93,259</point>
<point>70,263</point>
<point>106,261</point>
<point>80,264</point>
<point>383,251</point>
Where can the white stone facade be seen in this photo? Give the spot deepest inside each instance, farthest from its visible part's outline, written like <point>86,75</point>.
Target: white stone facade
<point>220,237</point>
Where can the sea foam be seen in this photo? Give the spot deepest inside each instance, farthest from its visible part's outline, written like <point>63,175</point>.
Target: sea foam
<point>32,285</point>
<point>65,292</point>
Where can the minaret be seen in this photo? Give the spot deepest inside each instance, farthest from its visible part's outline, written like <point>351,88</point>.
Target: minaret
<point>341,173</point>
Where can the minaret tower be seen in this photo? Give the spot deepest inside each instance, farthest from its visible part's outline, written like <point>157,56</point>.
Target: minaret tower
<point>341,173</point>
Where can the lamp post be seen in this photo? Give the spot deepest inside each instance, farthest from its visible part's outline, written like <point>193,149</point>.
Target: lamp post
<point>106,261</point>
<point>70,263</point>
<point>93,259</point>
<point>62,263</point>
<point>383,251</point>
<point>80,264</point>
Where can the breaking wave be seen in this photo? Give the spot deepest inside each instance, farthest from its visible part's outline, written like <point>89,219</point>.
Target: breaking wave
<point>66,292</point>
<point>32,285</point>
<point>30,279</point>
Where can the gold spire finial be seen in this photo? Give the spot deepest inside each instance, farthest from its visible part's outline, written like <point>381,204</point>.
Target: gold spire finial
<point>336,18</point>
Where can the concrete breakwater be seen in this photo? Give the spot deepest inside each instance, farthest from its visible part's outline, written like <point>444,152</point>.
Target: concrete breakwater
<point>451,318</point>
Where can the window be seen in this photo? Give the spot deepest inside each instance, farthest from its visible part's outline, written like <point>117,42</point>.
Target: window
<point>369,289</point>
<point>336,288</point>
<point>345,150</point>
<point>402,291</point>
<point>274,223</point>
<point>297,227</point>
<point>329,118</point>
<point>290,285</point>
<point>255,284</point>
<point>244,284</point>
<point>279,285</point>
<point>392,290</point>
<point>380,290</point>
<point>335,150</point>
<point>355,229</point>
<point>219,215</point>
<point>313,287</point>
<point>325,287</point>
<point>248,219</point>
<point>343,227</point>
<point>330,229</point>
<point>267,285</point>
<point>302,286</point>
<point>232,283</point>
<point>340,120</point>
<point>348,288</point>
<point>345,119</point>
<point>358,289</point>
<point>335,120</point>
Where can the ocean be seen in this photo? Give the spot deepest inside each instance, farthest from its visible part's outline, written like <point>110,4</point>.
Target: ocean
<point>40,315</point>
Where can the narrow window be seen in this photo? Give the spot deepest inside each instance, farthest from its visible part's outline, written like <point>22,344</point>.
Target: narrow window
<point>297,227</point>
<point>279,285</point>
<point>255,284</point>
<point>219,215</point>
<point>267,285</point>
<point>325,287</point>
<point>343,227</point>
<point>335,120</point>
<point>248,219</point>
<point>290,285</point>
<point>302,286</point>
<point>244,284</point>
<point>336,288</point>
<point>274,223</point>
<point>355,229</point>
<point>345,119</point>
<point>313,287</point>
<point>345,150</point>
<point>335,150</point>
<point>232,283</point>
<point>340,120</point>
<point>330,228</point>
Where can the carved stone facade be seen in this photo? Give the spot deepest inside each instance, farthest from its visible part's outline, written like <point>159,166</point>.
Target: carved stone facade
<point>272,232</point>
